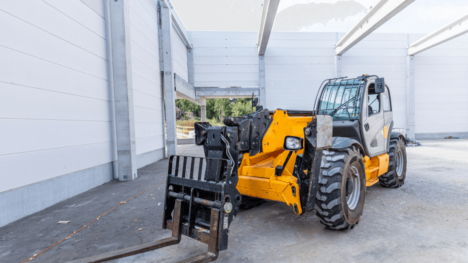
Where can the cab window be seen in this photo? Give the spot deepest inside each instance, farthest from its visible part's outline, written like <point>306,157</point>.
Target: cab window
<point>345,92</point>
<point>373,101</point>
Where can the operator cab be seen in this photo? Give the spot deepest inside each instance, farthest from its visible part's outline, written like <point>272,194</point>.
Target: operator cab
<point>344,99</point>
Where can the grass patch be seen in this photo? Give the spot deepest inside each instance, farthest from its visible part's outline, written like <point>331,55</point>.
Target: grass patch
<point>190,123</point>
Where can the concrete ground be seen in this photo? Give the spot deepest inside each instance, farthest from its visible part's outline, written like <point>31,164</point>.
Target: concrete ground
<point>426,220</point>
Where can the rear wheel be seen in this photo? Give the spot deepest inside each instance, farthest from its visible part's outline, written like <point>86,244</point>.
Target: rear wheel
<point>341,193</point>
<point>396,174</point>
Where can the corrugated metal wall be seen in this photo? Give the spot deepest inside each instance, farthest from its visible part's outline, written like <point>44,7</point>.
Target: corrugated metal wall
<point>179,55</point>
<point>441,86</point>
<point>146,76</point>
<point>296,64</point>
<point>55,102</point>
<point>224,59</point>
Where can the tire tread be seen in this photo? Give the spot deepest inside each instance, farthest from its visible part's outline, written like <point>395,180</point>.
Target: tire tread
<point>328,205</point>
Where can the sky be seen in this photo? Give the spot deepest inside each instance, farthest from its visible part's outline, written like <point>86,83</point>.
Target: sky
<point>422,16</point>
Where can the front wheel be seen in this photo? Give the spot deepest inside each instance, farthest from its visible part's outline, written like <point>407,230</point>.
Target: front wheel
<point>342,188</point>
<point>396,174</point>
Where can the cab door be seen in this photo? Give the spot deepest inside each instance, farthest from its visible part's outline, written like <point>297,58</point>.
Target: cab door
<point>373,122</point>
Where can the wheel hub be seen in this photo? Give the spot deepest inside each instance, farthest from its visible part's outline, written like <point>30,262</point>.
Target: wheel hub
<point>353,187</point>
<point>349,186</point>
<point>399,163</point>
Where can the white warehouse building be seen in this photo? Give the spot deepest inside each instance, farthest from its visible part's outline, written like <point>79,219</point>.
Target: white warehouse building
<point>88,87</point>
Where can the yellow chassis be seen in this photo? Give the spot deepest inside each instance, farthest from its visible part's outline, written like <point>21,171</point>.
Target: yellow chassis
<point>257,173</point>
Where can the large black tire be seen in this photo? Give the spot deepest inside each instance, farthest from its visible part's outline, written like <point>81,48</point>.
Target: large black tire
<point>396,174</point>
<point>338,168</point>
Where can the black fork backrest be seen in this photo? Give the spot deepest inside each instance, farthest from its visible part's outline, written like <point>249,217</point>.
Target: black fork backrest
<point>186,166</point>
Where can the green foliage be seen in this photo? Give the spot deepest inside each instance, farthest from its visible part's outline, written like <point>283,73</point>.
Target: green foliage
<point>222,108</point>
<point>241,108</point>
<point>217,109</point>
<point>188,106</point>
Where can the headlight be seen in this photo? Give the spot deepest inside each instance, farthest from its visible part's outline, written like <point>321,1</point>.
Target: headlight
<point>292,143</point>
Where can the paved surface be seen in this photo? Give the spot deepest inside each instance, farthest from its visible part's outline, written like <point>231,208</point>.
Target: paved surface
<point>426,220</point>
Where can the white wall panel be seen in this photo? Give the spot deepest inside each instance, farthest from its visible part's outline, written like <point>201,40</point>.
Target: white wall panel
<point>223,59</point>
<point>148,144</point>
<point>149,71</point>
<point>34,166</point>
<point>70,30</point>
<point>50,47</point>
<point>296,63</point>
<point>145,85</point>
<point>54,92</point>
<point>26,135</point>
<point>146,76</point>
<point>20,102</point>
<point>179,55</point>
<point>82,13</point>
<point>23,69</point>
<point>441,87</point>
<point>96,6</point>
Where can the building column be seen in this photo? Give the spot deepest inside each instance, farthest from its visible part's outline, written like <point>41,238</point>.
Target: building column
<point>120,57</point>
<point>410,100</point>
<point>203,112</point>
<point>190,72</point>
<point>169,89</point>
<point>338,66</point>
<point>261,81</point>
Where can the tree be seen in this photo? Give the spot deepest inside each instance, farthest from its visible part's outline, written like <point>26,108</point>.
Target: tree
<point>218,108</point>
<point>210,111</point>
<point>241,108</point>
<point>188,106</point>
<point>222,108</point>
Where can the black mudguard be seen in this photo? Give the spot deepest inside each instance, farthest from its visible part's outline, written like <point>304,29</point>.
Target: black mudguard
<point>340,143</point>
<point>396,135</point>
<point>309,161</point>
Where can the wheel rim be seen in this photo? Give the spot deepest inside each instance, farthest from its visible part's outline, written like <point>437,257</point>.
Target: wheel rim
<point>399,163</point>
<point>353,194</point>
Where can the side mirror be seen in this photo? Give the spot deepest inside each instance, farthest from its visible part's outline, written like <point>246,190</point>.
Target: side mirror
<point>254,102</point>
<point>379,85</point>
<point>292,143</point>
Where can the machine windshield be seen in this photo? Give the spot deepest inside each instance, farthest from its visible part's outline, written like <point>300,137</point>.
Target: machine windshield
<point>342,96</point>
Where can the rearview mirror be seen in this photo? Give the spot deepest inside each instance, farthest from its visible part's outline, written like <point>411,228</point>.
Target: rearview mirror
<point>379,85</point>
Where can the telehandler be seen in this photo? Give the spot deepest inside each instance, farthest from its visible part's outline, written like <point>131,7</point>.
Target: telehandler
<point>314,161</point>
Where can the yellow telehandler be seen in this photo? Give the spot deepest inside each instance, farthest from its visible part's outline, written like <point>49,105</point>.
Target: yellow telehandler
<point>314,161</point>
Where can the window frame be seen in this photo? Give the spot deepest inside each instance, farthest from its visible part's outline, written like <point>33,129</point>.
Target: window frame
<point>389,100</point>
